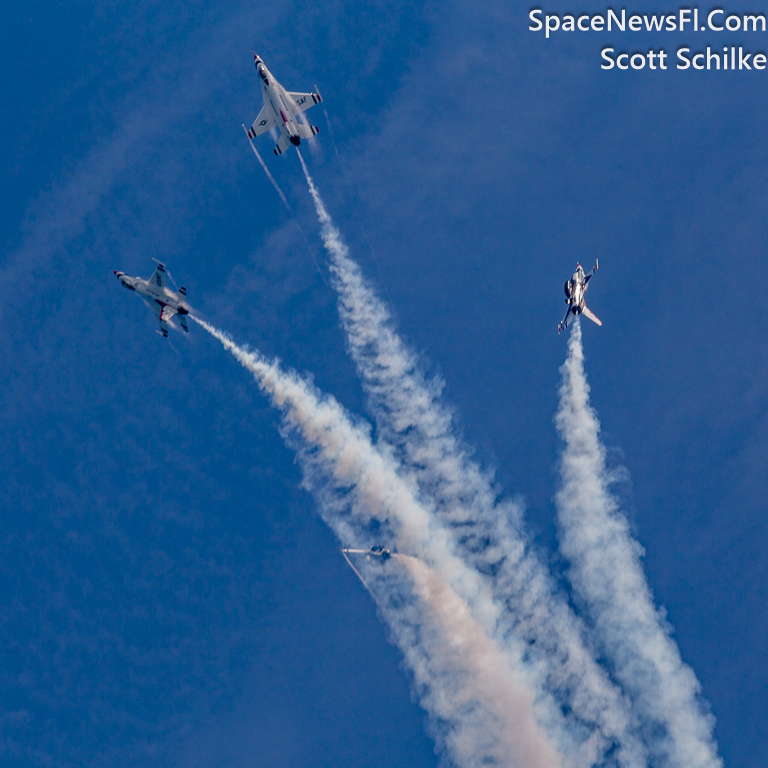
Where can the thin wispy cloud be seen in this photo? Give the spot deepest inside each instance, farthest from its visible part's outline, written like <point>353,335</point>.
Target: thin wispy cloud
<point>142,118</point>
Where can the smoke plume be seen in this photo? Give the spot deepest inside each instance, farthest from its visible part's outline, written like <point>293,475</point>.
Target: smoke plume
<point>487,532</point>
<point>608,579</point>
<point>467,655</point>
<point>359,490</point>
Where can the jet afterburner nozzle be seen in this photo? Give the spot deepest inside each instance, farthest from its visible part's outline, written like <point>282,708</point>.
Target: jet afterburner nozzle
<point>295,140</point>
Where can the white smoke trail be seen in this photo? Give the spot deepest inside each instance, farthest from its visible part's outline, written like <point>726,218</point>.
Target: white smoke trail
<point>607,576</point>
<point>489,533</point>
<point>358,487</point>
<point>461,644</point>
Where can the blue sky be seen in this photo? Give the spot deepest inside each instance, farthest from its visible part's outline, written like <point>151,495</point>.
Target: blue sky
<point>168,594</point>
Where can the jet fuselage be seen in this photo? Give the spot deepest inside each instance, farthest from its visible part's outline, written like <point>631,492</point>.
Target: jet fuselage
<point>578,289</point>
<point>279,103</point>
<point>575,288</point>
<point>282,110</point>
<point>152,294</point>
<point>158,297</point>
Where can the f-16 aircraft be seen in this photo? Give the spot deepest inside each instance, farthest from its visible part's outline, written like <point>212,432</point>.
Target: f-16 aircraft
<point>281,109</point>
<point>376,551</point>
<point>161,299</point>
<point>575,288</point>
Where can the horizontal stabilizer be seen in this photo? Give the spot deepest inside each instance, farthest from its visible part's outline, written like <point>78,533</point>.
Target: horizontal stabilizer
<point>587,312</point>
<point>566,321</point>
<point>282,144</point>
<point>307,131</point>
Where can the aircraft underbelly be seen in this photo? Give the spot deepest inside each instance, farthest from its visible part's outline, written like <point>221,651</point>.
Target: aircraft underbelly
<point>284,116</point>
<point>276,105</point>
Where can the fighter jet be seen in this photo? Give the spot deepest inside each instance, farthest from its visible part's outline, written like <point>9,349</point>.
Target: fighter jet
<point>575,288</point>
<point>281,109</point>
<point>161,299</point>
<point>377,551</point>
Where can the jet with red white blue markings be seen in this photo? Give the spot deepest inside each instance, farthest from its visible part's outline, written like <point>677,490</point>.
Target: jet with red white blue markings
<point>161,299</point>
<point>281,110</point>
<point>575,288</point>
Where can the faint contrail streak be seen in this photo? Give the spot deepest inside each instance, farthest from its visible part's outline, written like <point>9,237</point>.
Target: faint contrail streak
<point>269,175</point>
<point>330,131</point>
<point>359,489</point>
<point>489,533</point>
<point>361,577</point>
<point>285,202</point>
<point>607,577</point>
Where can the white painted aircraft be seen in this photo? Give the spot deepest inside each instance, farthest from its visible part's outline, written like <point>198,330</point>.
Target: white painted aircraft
<point>161,299</point>
<point>376,551</point>
<point>575,288</point>
<point>281,110</point>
